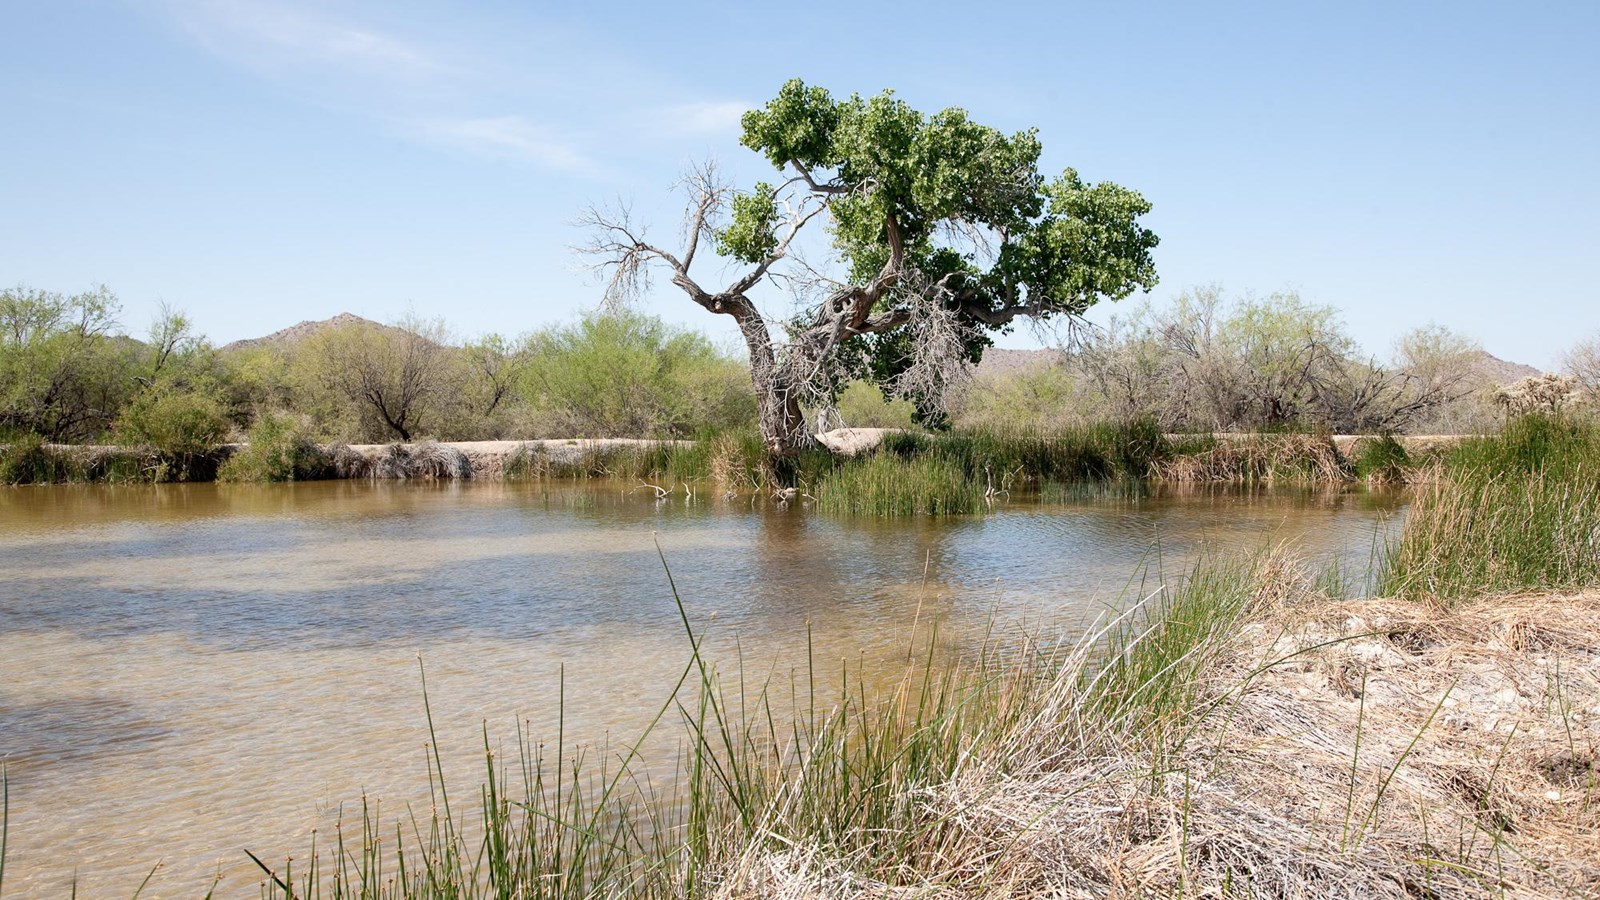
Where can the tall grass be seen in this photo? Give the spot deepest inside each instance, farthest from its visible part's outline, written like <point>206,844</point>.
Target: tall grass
<point>1513,512</point>
<point>887,485</point>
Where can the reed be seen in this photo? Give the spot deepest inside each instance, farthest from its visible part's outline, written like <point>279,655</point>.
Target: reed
<point>883,484</point>
<point>1515,512</point>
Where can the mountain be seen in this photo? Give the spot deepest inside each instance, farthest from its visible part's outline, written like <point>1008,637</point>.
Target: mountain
<point>294,334</point>
<point>1495,370</point>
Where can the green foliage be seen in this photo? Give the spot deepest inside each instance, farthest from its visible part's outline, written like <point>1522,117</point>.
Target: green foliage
<point>63,374</point>
<point>863,405</point>
<point>277,449</point>
<point>1518,511</point>
<point>749,237</point>
<point>1382,459</point>
<point>629,375</point>
<point>174,421</point>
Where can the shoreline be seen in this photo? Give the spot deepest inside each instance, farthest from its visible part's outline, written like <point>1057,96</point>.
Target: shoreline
<point>1195,458</point>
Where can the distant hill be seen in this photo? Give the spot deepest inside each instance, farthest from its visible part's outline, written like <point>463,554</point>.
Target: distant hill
<point>294,334</point>
<point>1495,370</point>
<point>999,361</point>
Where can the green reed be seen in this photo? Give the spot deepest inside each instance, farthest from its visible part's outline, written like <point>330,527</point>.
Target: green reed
<point>1512,512</point>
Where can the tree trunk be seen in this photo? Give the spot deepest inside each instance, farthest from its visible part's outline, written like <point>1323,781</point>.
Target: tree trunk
<point>783,423</point>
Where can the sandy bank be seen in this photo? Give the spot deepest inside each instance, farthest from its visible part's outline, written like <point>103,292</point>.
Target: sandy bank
<point>1353,749</point>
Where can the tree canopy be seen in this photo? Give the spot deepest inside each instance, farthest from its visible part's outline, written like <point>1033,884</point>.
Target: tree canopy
<point>941,229</point>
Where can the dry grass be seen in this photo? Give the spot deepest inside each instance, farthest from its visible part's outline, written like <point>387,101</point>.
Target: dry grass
<point>1258,458</point>
<point>429,461</point>
<point>1352,749</point>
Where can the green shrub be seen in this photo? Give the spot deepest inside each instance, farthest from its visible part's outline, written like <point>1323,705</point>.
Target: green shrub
<point>181,427</point>
<point>277,450</point>
<point>630,375</point>
<point>1381,460</point>
<point>863,405</point>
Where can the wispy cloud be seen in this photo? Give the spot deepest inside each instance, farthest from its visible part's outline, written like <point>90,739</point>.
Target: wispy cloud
<point>455,86</point>
<point>509,137</point>
<point>263,33</point>
<point>703,118</point>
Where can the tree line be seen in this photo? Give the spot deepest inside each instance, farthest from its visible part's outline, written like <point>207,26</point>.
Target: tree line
<point>69,373</point>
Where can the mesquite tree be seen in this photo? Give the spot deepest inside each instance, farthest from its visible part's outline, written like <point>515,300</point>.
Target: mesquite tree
<point>941,229</point>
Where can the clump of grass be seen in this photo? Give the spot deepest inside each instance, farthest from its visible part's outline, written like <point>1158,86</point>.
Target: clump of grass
<point>278,450</point>
<point>1101,452</point>
<point>1259,458</point>
<point>884,484</point>
<point>1155,656</point>
<point>1381,460</point>
<point>1513,512</point>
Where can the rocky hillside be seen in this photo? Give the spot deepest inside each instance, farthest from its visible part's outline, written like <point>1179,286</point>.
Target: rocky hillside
<point>294,334</point>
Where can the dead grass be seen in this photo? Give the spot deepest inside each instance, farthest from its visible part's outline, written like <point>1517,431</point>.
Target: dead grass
<point>1335,748</point>
<point>1258,458</point>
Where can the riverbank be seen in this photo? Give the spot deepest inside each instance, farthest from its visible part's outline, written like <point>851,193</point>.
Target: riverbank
<point>1370,748</point>
<point>991,463</point>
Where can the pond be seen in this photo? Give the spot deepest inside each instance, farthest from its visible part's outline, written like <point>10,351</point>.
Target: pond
<point>190,670</point>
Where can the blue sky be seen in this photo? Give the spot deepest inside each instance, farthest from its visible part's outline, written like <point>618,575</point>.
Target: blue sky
<point>259,163</point>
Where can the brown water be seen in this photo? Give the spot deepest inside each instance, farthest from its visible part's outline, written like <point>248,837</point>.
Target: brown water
<point>189,670</point>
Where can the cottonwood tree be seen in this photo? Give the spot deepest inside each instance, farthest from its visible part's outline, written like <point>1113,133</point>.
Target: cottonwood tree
<point>941,230</point>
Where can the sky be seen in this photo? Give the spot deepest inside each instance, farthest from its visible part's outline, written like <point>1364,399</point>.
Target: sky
<point>256,163</point>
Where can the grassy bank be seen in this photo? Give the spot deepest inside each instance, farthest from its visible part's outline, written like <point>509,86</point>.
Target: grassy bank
<point>1518,511</point>
<point>924,473</point>
<point>1240,734</point>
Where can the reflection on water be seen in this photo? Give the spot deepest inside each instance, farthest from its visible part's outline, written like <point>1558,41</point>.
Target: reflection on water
<point>186,670</point>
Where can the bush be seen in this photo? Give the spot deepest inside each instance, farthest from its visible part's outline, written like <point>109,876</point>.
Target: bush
<point>630,375</point>
<point>863,405</point>
<point>182,427</point>
<point>277,450</point>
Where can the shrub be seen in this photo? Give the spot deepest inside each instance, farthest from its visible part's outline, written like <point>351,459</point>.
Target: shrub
<point>863,405</point>
<point>1381,460</point>
<point>630,375</point>
<point>182,427</point>
<point>277,449</point>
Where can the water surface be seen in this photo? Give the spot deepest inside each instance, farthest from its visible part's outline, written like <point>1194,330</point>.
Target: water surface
<point>188,670</point>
